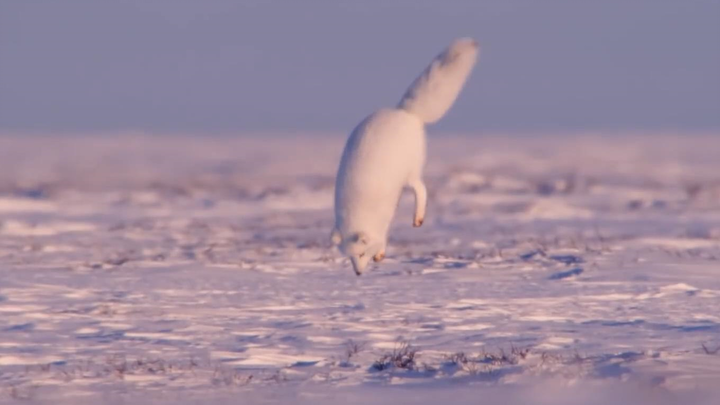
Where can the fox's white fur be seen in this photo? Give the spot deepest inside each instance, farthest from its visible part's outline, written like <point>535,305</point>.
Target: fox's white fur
<point>386,153</point>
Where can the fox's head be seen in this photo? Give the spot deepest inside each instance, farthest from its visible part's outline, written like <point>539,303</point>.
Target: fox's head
<point>360,248</point>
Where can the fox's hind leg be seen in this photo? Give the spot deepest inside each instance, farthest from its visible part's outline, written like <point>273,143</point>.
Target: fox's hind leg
<point>420,191</point>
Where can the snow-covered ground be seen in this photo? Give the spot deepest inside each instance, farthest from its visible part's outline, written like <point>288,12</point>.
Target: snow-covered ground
<point>551,270</point>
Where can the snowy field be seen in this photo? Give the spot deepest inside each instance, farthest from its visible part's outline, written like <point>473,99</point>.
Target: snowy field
<point>550,270</point>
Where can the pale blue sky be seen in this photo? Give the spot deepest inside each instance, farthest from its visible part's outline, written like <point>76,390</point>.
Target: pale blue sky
<point>244,66</point>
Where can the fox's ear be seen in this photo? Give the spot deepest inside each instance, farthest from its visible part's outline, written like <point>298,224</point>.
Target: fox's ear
<point>361,237</point>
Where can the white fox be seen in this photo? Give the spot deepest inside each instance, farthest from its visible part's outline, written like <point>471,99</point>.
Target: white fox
<point>386,153</point>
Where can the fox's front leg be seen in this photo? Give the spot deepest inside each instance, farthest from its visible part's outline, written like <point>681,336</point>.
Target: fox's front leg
<point>420,191</point>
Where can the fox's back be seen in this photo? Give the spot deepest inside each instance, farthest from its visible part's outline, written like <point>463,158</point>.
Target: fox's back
<point>380,154</point>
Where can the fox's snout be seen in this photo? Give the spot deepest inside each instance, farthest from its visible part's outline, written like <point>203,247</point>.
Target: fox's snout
<point>358,267</point>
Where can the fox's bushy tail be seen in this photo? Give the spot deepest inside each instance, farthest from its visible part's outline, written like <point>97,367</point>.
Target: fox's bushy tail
<point>433,93</point>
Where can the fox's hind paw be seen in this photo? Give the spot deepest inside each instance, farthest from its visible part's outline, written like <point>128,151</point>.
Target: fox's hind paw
<point>335,237</point>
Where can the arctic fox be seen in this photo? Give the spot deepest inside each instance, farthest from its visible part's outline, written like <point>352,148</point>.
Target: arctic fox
<point>386,153</point>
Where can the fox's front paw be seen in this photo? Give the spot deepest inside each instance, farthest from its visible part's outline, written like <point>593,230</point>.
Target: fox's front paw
<point>379,256</point>
<point>418,222</point>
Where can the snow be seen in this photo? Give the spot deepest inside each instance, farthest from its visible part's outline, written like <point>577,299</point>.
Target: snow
<point>566,269</point>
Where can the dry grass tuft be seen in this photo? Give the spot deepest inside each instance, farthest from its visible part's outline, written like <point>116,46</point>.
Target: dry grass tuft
<point>402,357</point>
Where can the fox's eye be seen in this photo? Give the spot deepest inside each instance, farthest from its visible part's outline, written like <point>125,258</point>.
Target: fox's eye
<point>362,254</point>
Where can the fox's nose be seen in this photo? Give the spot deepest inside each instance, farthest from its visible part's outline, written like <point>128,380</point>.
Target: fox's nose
<point>356,265</point>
